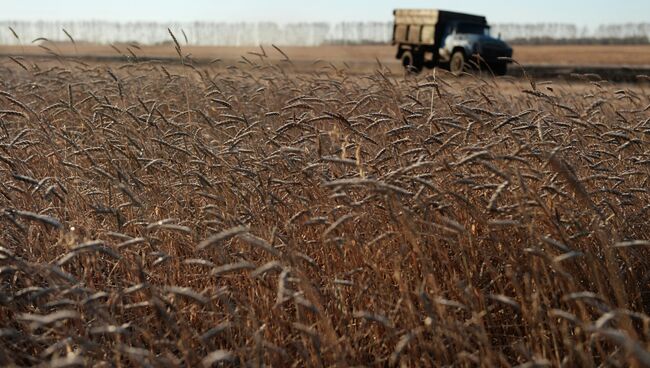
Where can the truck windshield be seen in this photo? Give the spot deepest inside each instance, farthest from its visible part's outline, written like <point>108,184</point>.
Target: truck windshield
<point>473,28</point>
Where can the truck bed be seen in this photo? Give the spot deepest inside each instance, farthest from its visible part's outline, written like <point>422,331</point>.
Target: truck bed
<point>419,26</point>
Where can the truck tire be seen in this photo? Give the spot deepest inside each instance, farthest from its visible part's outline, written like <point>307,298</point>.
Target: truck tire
<point>457,63</point>
<point>411,62</point>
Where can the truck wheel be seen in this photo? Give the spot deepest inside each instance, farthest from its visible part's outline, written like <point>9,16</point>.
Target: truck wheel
<point>410,62</point>
<point>457,62</point>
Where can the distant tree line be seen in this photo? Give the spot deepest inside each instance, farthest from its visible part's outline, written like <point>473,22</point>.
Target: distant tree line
<point>563,33</point>
<point>301,34</point>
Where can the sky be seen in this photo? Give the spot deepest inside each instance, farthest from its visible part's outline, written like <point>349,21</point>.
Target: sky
<point>581,12</point>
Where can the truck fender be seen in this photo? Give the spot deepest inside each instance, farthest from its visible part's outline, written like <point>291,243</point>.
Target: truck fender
<point>462,49</point>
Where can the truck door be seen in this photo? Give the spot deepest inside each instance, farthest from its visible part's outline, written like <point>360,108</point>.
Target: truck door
<point>444,41</point>
<point>442,31</point>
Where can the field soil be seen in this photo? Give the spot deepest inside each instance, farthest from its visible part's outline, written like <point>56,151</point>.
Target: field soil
<point>630,55</point>
<point>634,55</point>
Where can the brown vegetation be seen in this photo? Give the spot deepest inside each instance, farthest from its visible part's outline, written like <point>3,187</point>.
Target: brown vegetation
<point>168,216</point>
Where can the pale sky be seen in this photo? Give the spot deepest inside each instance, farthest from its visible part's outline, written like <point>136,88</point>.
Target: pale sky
<point>581,12</point>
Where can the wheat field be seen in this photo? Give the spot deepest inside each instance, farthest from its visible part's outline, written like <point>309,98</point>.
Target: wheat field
<point>172,215</point>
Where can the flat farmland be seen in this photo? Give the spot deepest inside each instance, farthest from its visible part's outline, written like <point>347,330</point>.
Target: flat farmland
<point>635,55</point>
<point>577,55</point>
<point>254,214</point>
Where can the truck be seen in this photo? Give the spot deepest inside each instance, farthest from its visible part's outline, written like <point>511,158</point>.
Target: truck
<point>457,41</point>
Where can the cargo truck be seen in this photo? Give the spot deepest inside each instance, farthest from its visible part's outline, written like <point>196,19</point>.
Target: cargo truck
<point>457,41</point>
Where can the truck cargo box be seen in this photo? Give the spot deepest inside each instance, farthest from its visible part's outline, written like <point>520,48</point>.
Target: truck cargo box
<point>420,26</point>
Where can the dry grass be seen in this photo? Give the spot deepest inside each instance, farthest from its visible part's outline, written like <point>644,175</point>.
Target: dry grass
<point>174,216</point>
